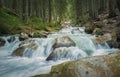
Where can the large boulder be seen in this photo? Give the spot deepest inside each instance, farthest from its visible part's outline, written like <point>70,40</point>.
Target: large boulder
<point>61,48</point>
<point>64,41</point>
<point>102,39</point>
<point>98,66</point>
<point>2,42</point>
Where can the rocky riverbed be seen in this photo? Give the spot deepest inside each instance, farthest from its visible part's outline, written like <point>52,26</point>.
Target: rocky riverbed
<point>97,66</point>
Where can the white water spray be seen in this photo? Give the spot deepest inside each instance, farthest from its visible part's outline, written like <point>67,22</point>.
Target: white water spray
<point>33,61</point>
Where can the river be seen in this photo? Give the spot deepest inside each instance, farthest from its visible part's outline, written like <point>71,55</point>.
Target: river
<point>33,61</point>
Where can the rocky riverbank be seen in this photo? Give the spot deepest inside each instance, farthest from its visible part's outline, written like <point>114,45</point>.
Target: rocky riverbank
<point>105,24</point>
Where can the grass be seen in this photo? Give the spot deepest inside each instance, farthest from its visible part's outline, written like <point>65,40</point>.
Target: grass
<point>11,23</point>
<point>8,21</point>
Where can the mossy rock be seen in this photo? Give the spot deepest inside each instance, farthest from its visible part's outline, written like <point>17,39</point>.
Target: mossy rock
<point>98,66</point>
<point>98,31</point>
<point>102,66</point>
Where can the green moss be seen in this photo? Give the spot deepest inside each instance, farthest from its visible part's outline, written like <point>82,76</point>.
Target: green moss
<point>117,60</point>
<point>8,21</point>
<point>11,23</point>
<point>59,68</point>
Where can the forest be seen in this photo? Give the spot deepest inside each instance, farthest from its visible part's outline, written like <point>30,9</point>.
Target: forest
<point>56,11</point>
<point>59,38</point>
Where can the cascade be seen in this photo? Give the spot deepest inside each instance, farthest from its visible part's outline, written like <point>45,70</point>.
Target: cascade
<point>36,55</point>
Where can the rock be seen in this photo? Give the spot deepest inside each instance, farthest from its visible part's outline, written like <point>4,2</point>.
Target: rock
<point>114,36</point>
<point>118,38</point>
<point>118,24</point>
<point>2,42</point>
<point>71,53</point>
<point>23,36</point>
<point>113,43</point>
<point>104,66</point>
<point>112,21</point>
<point>102,39</point>
<point>32,46</point>
<point>98,31</point>
<point>98,24</point>
<point>64,41</point>
<point>58,53</point>
<point>119,45</point>
<point>31,34</point>
<point>107,36</point>
<point>98,66</point>
<point>19,51</point>
<point>89,27</point>
<point>103,16</point>
<point>105,21</point>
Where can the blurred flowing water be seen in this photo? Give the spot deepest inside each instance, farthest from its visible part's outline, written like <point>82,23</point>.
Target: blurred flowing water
<point>33,62</point>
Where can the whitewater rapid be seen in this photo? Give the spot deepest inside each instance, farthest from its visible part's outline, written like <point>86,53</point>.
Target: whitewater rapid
<point>33,62</point>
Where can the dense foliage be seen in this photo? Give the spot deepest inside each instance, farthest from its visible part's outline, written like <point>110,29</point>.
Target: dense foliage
<point>60,10</point>
<point>37,12</point>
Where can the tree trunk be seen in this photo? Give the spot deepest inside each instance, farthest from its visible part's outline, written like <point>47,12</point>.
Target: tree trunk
<point>118,4</point>
<point>49,4</point>
<point>1,4</point>
<point>25,11</point>
<point>112,8</point>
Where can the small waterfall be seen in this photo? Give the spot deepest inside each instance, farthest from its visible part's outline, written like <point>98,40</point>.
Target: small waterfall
<point>70,53</point>
<point>43,48</point>
<point>101,46</point>
<point>11,43</point>
<point>36,51</point>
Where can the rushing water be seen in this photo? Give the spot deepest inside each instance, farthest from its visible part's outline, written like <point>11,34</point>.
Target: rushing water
<point>33,62</point>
